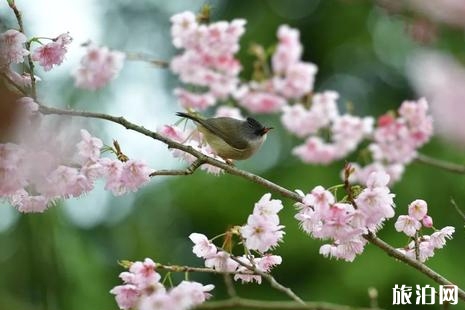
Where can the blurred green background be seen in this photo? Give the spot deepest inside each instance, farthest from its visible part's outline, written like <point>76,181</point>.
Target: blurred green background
<point>66,258</point>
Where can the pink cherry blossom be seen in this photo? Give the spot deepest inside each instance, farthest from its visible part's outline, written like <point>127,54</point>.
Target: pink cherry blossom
<point>289,49</point>
<point>135,173</point>
<point>225,111</point>
<point>262,102</point>
<point>126,296</point>
<point>297,81</point>
<point>98,67</point>
<point>89,147</point>
<point>203,247</point>
<point>316,151</point>
<point>260,234</point>
<point>268,261</point>
<point>268,208</point>
<point>438,238</point>
<point>52,53</point>
<point>208,57</point>
<point>12,47</point>
<point>221,261</point>
<point>319,198</point>
<point>173,133</point>
<point>408,225</point>
<point>28,204</point>
<point>195,101</point>
<point>427,221</point>
<point>188,294</point>
<point>418,209</point>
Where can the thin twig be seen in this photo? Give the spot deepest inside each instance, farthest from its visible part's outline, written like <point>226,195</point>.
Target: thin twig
<point>459,211</point>
<point>176,268</point>
<point>189,170</point>
<point>273,282</point>
<point>411,262</point>
<point>228,282</point>
<point>237,302</point>
<point>147,58</point>
<point>19,18</point>
<point>15,85</point>
<point>442,164</point>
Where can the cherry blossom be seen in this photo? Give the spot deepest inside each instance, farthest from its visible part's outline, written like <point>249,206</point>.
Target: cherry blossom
<point>52,53</point>
<point>12,48</point>
<point>98,67</point>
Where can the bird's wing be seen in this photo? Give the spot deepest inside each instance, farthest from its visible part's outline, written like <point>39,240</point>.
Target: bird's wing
<point>224,129</point>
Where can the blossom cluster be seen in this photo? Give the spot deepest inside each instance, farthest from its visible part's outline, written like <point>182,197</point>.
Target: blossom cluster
<point>32,187</point>
<point>345,223</point>
<point>411,225</point>
<point>261,233</point>
<point>290,77</point>
<point>12,49</point>
<point>207,60</point>
<point>287,87</point>
<point>142,290</point>
<point>396,139</point>
<point>345,131</point>
<point>98,67</point>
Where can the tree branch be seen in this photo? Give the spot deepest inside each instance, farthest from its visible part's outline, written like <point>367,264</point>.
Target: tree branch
<point>442,164</point>
<point>276,305</point>
<point>173,144</point>
<point>19,19</point>
<point>147,58</point>
<point>189,170</point>
<point>411,262</point>
<point>250,177</point>
<point>274,284</point>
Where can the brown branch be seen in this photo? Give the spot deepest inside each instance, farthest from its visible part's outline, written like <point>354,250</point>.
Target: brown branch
<point>442,164</point>
<point>236,302</point>
<point>173,144</point>
<point>188,171</point>
<point>250,177</point>
<point>273,282</point>
<point>19,18</point>
<point>411,262</point>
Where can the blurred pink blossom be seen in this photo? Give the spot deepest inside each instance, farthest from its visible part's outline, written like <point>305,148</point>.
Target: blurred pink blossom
<point>52,53</point>
<point>98,67</point>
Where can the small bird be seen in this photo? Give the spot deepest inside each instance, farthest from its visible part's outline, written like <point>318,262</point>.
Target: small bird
<point>230,138</point>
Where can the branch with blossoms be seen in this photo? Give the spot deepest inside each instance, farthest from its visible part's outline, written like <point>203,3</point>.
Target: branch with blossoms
<point>281,83</point>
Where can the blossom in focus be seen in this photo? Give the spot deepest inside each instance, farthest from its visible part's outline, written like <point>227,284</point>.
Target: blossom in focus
<point>262,231</point>
<point>408,225</point>
<point>322,217</point>
<point>12,47</point>
<point>142,290</point>
<point>52,53</point>
<point>98,67</point>
<point>418,209</point>
<point>203,247</point>
<point>427,244</point>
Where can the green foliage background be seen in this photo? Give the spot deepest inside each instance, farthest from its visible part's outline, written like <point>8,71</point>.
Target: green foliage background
<point>47,262</point>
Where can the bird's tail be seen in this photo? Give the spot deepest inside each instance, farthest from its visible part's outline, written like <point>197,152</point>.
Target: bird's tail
<point>189,116</point>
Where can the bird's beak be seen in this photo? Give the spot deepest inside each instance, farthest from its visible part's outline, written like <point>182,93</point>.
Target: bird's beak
<point>266,129</point>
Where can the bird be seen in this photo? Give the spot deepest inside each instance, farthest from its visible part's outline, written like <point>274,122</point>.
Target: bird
<point>230,138</point>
